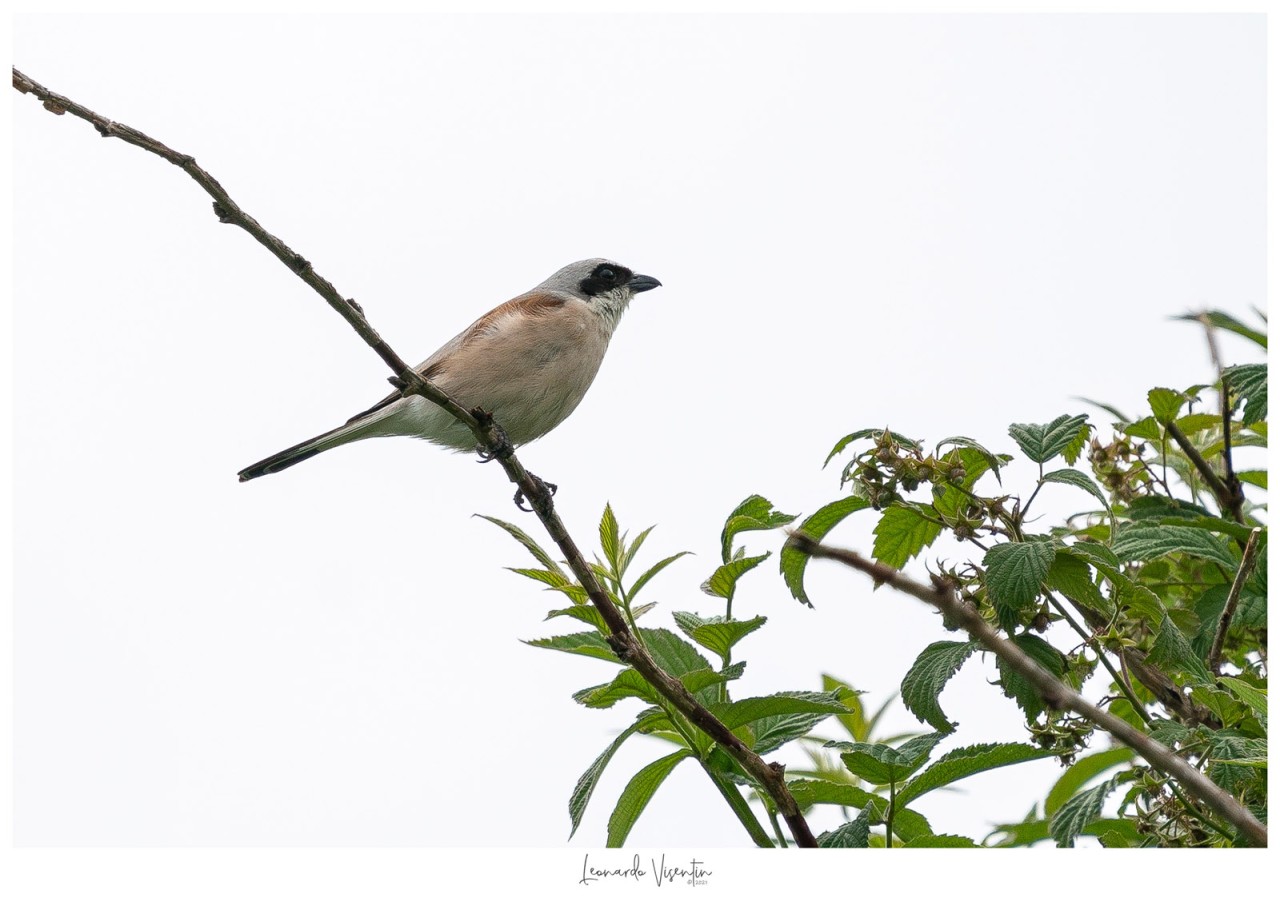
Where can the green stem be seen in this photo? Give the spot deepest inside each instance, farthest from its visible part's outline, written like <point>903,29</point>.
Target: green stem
<point>738,805</point>
<point>888,820</point>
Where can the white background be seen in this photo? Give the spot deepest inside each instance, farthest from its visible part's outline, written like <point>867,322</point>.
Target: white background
<point>941,224</point>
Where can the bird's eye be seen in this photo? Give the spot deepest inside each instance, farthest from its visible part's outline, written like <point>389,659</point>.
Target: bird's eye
<point>607,274</point>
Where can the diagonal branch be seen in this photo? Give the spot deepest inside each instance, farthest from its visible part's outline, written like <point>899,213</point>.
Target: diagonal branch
<point>1233,599</point>
<point>1054,693</point>
<point>1230,497</point>
<point>489,436</point>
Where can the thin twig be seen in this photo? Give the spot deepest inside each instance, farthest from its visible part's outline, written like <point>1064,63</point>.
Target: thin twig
<point>1054,693</point>
<point>1233,599</point>
<point>1229,500</point>
<point>488,434</point>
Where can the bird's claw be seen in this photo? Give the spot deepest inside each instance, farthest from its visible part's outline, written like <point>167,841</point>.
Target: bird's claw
<point>541,484</point>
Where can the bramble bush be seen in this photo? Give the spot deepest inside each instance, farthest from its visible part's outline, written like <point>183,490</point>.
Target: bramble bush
<point>1159,584</point>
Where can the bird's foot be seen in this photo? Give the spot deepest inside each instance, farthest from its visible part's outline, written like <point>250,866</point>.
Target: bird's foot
<point>540,501</point>
<point>503,448</point>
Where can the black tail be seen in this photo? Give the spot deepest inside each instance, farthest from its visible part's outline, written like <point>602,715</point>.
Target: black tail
<point>294,454</point>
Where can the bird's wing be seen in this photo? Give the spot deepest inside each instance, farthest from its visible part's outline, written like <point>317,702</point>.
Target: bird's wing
<point>535,304</point>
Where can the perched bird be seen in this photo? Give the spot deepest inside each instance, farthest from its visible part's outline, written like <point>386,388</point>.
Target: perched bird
<point>528,363</point>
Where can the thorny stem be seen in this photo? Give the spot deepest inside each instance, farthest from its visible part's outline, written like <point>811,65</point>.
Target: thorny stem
<point>1054,693</point>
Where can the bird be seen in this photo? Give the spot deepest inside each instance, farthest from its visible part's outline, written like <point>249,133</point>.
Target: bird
<point>527,362</point>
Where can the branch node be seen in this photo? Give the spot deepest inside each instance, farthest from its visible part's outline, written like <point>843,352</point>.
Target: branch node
<point>355,305</point>
<point>223,213</point>
<point>55,107</point>
<point>299,264</point>
<point>398,382</point>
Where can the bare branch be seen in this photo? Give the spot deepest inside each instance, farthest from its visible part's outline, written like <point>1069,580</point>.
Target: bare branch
<point>1233,599</point>
<point>489,436</point>
<point>1054,693</point>
<point>1230,500</point>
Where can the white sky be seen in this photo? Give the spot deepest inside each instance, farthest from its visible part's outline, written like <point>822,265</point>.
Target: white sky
<point>941,224</point>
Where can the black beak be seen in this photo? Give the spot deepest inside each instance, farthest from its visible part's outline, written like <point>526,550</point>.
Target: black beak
<point>642,282</point>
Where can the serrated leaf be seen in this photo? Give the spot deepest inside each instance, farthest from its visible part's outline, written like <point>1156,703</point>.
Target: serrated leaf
<point>1249,382</point>
<point>1227,323</point>
<point>868,432</point>
<point>1165,403</point>
<point>1017,571</point>
<point>724,581</point>
<point>1073,578</point>
<point>628,684</point>
<point>993,461</point>
<point>648,575</point>
<point>1079,773</point>
<point>1019,688</point>
<point>901,534</point>
<point>715,633</point>
<point>1081,480</point>
<point>1042,442</point>
<point>1254,478</point>
<point>1077,444</point>
<point>771,733</point>
<point>1155,508</point>
<point>588,614</point>
<point>592,645</point>
<point>527,541</point>
<point>941,841</point>
<point>753,513</point>
<point>629,555</point>
<point>1143,542</point>
<point>609,542</point>
<point>1226,747</point>
<point>793,562</point>
<point>908,824</point>
<point>587,782</point>
<point>1144,429</point>
<point>879,763</point>
<point>673,654</point>
<point>964,762</point>
<point>926,678</point>
<point>1197,422</point>
<point>1078,812</point>
<point>854,834</point>
<point>1255,698</point>
<point>635,797</point>
<point>743,711</point>
<point>1172,650</point>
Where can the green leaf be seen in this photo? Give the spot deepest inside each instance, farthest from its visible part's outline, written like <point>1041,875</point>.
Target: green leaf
<point>1042,442</point>
<point>609,542</point>
<point>1255,478</point>
<point>743,711</point>
<point>993,462</point>
<point>1121,417</point>
<point>1079,479</point>
<point>962,762</point>
<point>629,555</point>
<point>879,763</point>
<point>672,653</point>
<point>592,645</point>
<point>773,732</point>
<point>868,432</point>
<point>636,796</point>
<point>527,541</point>
<point>648,575</point>
<point>1165,404</point>
<point>793,562</point>
<point>854,834</point>
<point>941,841</point>
<point>753,513</point>
<point>1073,578</point>
<point>1079,773</point>
<point>926,678</point>
<point>1143,542</point>
<point>1019,688</point>
<point>1079,811</point>
<point>1017,571</point>
<point>587,782</point>
<point>1144,429</point>
<point>1255,698</point>
<point>588,614</point>
<point>1226,748</point>
<point>716,633</point>
<point>1198,421</point>
<point>908,824</point>
<point>724,581</point>
<point>627,684</point>
<point>1227,323</point>
<point>1171,649</point>
<point>901,534</point>
<point>1249,382</point>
